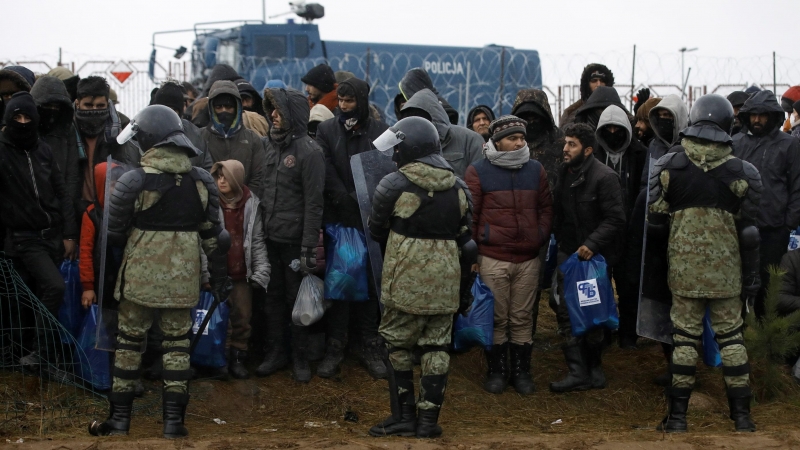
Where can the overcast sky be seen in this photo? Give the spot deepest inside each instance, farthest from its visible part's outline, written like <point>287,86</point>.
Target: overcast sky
<point>34,29</point>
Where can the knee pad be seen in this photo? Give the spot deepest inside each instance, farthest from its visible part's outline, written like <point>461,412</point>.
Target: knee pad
<point>168,346</point>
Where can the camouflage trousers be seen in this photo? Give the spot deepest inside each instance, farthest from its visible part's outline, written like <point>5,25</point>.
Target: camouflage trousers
<point>134,321</point>
<point>726,321</point>
<point>402,331</point>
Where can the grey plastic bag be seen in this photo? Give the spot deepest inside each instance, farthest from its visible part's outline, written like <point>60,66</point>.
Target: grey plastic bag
<point>310,304</point>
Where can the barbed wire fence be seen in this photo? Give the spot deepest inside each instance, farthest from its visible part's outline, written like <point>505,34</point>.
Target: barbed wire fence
<point>661,72</point>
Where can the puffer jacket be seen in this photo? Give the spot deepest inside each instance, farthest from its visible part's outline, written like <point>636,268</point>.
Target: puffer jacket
<point>547,148</point>
<point>512,210</point>
<point>237,142</point>
<point>597,205</point>
<point>460,146</point>
<point>294,176</point>
<point>339,145</point>
<point>61,136</point>
<point>255,246</point>
<point>776,155</point>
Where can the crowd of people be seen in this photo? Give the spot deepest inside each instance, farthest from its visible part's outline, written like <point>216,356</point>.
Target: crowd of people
<point>715,188</point>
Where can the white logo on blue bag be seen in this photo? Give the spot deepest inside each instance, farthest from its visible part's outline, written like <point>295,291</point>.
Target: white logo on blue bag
<point>198,320</point>
<point>588,293</point>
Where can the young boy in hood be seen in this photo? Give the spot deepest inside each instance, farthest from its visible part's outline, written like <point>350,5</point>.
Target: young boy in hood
<point>248,267</point>
<point>511,218</point>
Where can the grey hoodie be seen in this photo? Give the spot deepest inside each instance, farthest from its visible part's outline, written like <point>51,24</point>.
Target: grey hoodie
<point>460,146</point>
<point>613,115</point>
<point>674,105</point>
<point>626,160</point>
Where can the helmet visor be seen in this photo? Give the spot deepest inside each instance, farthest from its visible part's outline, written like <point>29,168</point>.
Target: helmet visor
<point>388,140</point>
<point>128,133</point>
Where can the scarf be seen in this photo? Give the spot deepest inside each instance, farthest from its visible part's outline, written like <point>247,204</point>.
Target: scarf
<point>279,135</point>
<point>513,159</point>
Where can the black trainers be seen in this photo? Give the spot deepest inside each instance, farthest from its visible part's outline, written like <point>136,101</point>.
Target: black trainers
<point>331,363</point>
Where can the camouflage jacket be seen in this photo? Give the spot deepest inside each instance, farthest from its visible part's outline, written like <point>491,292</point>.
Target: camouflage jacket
<point>703,249</point>
<point>161,269</point>
<point>422,276</point>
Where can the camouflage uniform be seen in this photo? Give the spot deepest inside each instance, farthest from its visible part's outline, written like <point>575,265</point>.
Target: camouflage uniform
<point>160,277</point>
<point>705,266</point>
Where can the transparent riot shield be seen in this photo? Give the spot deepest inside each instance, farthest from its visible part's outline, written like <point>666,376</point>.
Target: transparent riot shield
<point>655,298</point>
<point>369,168</point>
<point>110,260</point>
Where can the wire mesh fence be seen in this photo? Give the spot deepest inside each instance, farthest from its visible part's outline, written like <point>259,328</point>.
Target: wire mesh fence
<point>45,383</point>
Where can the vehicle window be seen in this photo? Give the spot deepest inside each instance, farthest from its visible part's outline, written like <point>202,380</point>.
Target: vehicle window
<point>269,46</point>
<point>300,46</point>
<point>226,53</point>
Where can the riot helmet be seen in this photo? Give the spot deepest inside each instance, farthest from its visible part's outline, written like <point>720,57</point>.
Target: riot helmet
<point>711,119</point>
<point>411,138</point>
<point>156,126</point>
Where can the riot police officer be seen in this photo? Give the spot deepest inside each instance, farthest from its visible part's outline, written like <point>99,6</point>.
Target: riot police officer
<point>711,199</point>
<point>423,214</point>
<point>157,213</point>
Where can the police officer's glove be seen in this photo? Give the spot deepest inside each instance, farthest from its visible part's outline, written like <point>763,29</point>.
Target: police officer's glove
<point>642,96</point>
<point>749,292</point>
<point>308,259</point>
<point>222,286</point>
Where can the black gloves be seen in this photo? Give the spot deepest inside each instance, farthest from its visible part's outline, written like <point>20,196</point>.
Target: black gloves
<point>222,286</point>
<point>308,259</point>
<point>642,96</point>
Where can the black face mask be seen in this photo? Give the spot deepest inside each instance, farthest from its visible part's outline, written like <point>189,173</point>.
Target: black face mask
<point>226,119</point>
<point>91,122</point>
<point>48,118</point>
<point>345,116</point>
<point>535,129</point>
<point>615,140</point>
<point>22,135</point>
<point>665,126</point>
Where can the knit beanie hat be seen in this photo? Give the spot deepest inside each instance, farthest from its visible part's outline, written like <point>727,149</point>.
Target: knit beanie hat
<point>233,171</point>
<point>21,103</point>
<point>506,126</point>
<point>321,77</point>
<point>171,95</point>
<point>737,98</point>
<point>643,113</point>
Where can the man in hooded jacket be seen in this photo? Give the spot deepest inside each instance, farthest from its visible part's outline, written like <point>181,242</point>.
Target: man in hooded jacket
<point>292,201</point>
<point>351,133</point>
<point>644,129</point>
<point>14,79</point>
<point>478,120</point>
<point>171,94</point>
<point>602,97</point>
<point>544,138</point>
<point>418,79</point>
<point>227,138</point>
<point>667,119</point>
<point>460,146</point>
<point>593,76</point>
<point>57,129</point>
<point>776,155</point>
<point>618,149</point>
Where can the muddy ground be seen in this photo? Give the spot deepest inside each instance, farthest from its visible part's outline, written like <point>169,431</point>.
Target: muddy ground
<point>275,412</point>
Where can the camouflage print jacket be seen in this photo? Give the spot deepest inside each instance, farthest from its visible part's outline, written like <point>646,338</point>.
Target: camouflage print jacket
<point>420,276</point>
<point>161,269</point>
<point>703,249</point>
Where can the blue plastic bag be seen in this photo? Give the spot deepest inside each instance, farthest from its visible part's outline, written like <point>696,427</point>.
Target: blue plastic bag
<point>210,351</point>
<point>70,315</point>
<point>589,295</point>
<point>345,263</point>
<point>95,365</point>
<point>711,355</point>
<point>478,327</point>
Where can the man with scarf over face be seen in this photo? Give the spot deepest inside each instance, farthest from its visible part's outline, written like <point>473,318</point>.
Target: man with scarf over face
<point>511,218</point>
<point>776,155</point>
<point>351,133</point>
<point>228,138</point>
<point>38,215</point>
<point>625,155</point>
<point>589,219</point>
<point>97,123</point>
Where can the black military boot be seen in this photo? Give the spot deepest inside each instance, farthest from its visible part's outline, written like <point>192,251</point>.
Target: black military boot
<point>497,374</point>
<point>119,416</point>
<point>331,363</point>
<point>275,358</point>
<point>371,357</point>
<point>678,399</point>
<point>594,356</point>
<point>521,369</point>
<point>301,370</point>
<point>739,403</point>
<point>403,421</point>
<point>431,393</point>
<point>236,364</point>
<point>174,412</point>
<point>578,378</point>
